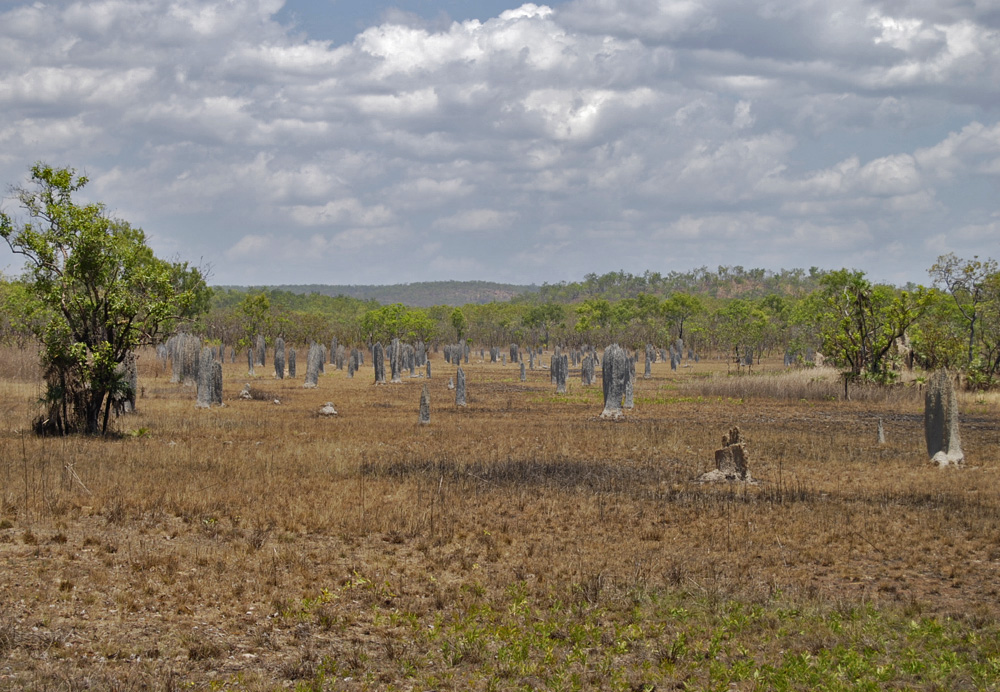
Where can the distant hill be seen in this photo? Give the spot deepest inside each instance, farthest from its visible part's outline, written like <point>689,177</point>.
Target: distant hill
<point>420,295</point>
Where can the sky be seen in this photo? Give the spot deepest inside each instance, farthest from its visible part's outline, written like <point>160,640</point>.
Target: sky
<point>350,142</point>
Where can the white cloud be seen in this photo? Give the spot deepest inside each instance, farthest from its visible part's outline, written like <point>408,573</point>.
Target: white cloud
<point>476,220</point>
<point>342,211</point>
<point>975,147</point>
<point>65,133</point>
<point>251,245</point>
<point>411,103</point>
<point>460,268</point>
<point>828,129</point>
<point>354,239</point>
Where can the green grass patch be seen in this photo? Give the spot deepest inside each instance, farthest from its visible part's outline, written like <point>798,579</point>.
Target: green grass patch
<point>674,640</point>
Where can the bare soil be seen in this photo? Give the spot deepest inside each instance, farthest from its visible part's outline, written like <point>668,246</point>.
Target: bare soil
<point>242,547</point>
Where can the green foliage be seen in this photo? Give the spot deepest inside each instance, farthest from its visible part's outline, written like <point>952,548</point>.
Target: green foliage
<point>21,313</point>
<point>859,322</point>
<point>542,317</point>
<point>939,336</point>
<point>968,282</point>
<point>702,282</point>
<point>681,307</point>
<point>593,314</point>
<point>397,321</point>
<point>741,326</point>
<point>296,317</point>
<point>256,318</point>
<point>458,322</point>
<point>988,337</point>
<point>495,324</point>
<point>101,288</point>
<point>654,638</point>
<point>420,294</point>
<point>980,376</point>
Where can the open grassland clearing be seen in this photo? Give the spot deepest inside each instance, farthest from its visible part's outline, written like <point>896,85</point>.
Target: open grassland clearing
<point>517,543</point>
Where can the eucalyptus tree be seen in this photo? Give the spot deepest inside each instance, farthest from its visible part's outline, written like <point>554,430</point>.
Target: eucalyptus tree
<point>104,291</point>
<point>968,282</point>
<point>859,321</point>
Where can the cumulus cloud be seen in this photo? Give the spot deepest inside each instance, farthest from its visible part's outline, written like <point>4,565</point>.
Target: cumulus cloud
<point>669,135</point>
<point>477,220</point>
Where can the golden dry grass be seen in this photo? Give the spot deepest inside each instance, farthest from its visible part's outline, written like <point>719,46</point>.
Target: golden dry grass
<point>252,545</point>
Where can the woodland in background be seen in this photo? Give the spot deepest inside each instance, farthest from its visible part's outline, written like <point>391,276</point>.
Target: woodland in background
<point>868,330</point>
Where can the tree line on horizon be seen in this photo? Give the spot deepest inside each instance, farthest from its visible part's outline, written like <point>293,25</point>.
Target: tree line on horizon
<point>92,292</point>
<point>864,327</point>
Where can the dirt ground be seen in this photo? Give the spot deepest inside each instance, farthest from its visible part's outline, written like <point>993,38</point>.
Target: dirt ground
<point>243,546</point>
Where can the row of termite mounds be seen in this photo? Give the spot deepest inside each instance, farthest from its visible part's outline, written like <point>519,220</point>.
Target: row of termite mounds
<point>191,363</point>
<point>402,358</point>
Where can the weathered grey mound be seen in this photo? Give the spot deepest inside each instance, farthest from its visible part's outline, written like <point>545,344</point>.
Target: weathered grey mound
<point>425,406</point>
<point>460,387</point>
<point>205,378</point>
<point>378,359</point>
<point>279,358</point>
<point>587,370</point>
<point>123,399</point>
<point>314,362</point>
<point>395,361</point>
<point>216,383</point>
<point>944,445</point>
<point>260,352</point>
<point>630,386</point>
<point>731,462</point>
<point>328,409</point>
<point>560,366</point>
<point>614,379</point>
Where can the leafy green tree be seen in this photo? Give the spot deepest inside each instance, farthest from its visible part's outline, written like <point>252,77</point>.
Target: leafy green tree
<point>105,292</point>
<point>859,322</point>
<point>458,322</point>
<point>647,319</point>
<point>741,326</point>
<point>493,324</point>
<point>986,366</point>
<point>397,321</point>
<point>543,317</point>
<point>594,314</point>
<point>418,326</point>
<point>21,313</point>
<point>778,332</point>
<point>966,281</point>
<point>681,307</point>
<point>255,318</point>
<point>938,337</point>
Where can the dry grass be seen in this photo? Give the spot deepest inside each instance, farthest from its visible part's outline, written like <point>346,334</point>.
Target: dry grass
<point>804,384</point>
<point>260,545</point>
